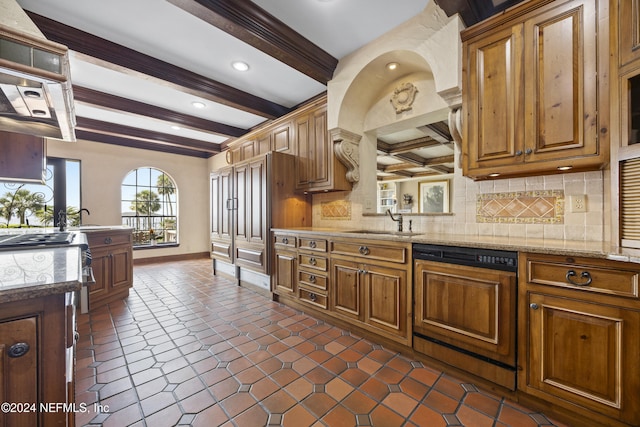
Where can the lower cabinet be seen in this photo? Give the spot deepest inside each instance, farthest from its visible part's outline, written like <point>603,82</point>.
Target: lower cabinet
<point>362,283</point>
<point>112,263</point>
<point>580,336</point>
<point>34,363</point>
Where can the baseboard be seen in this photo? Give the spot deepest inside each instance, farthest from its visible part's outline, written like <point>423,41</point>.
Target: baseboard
<point>170,258</point>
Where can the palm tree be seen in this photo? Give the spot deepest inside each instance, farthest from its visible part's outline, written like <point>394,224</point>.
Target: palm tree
<point>25,201</point>
<point>166,189</point>
<point>146,203</point>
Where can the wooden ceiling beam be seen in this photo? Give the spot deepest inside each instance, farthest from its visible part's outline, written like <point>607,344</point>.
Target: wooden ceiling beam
<point>106,100</point>
<point>99,131</point>
<point>255,26</point>
<point>163,72</point>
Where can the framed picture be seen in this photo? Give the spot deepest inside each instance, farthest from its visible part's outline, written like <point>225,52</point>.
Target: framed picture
<point>434,196</point>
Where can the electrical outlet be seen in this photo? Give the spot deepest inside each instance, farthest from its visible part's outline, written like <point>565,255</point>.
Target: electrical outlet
<point>578,203</point>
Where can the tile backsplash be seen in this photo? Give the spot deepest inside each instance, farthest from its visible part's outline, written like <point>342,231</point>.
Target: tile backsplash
<point>532,207</point>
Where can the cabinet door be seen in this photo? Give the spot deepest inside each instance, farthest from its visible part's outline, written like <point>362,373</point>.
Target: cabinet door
<point>263,144</point>
<point>121,266</point>
<point>584,353</point>
<point>285,274</point>
<point>386,299</point>
<point>19,375</point>
<point>282,139</point>
<point>347,287</point>
<point>494,98</point>
<point>468,307</point>
<point>321,149</point>
<point>239,203</point>
<point>304,149</point>
<point>101,265</point>
<point>561,82</point>
<point>257,216</point>
<point>629,30</point>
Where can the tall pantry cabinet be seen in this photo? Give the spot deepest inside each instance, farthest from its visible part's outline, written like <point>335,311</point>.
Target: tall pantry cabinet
<point>247,200</point>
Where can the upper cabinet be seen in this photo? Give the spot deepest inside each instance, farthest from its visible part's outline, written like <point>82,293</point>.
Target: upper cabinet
<point>530,91</point>
<point>304,134</point>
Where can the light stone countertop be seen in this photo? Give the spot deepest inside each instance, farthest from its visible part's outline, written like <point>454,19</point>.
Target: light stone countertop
<point>39,271</point>
<point>519,244</point>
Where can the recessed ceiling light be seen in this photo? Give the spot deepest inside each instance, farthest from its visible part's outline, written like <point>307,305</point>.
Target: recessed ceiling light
<point>198,104</point>
<point>392,66</point>
<point>240,66</point>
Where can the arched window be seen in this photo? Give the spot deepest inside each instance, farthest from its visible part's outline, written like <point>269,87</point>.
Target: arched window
<point>149,206</point>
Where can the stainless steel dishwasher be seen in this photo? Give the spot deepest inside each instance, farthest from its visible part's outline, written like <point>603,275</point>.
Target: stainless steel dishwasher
<point>465,309</point>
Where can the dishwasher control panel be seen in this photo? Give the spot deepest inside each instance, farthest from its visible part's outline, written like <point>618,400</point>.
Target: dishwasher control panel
<point>475,257</point>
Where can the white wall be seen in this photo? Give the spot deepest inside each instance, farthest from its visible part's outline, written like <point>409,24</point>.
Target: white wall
<point>104,166</point>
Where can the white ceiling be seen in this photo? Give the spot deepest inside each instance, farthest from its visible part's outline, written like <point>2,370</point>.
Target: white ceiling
<point>159,29</point>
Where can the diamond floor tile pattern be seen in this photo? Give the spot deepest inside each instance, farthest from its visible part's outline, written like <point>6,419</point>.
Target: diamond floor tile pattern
<point>191,349</point>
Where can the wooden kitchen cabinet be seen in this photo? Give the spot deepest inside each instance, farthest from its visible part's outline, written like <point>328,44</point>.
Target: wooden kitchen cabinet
<point>318,169</point>
<point>313,269</point>
<point>23,158</point>
<point>112,264</point>
<point>373,293</point>
<point>33,360</point>
<point>470,308</point>
<point>248,200</point>
<point>580,337</point>
<point>531,102</point>
<point>628,19</point>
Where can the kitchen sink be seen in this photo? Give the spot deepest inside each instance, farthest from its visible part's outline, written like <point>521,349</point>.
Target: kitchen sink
<point>386,233</point>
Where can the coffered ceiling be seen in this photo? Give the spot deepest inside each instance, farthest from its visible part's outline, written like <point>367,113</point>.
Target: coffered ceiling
<point>139,66</point>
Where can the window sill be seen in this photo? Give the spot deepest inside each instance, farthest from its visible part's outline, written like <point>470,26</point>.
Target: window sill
<point>156,246</point>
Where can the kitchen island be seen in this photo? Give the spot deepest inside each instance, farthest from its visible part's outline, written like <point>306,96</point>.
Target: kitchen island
<point>38,294</point>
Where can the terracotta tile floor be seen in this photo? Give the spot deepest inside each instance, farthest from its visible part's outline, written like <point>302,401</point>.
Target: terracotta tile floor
<point>189,348</point>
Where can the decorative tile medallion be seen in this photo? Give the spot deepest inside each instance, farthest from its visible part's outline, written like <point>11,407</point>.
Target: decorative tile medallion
<point>521,207</point>
<point>338,209</point>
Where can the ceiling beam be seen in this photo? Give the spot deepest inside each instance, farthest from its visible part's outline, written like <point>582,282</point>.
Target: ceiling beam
<point>106,100</point>
<point>255,26</point>
<point>474,11</point>
<point>110,133</point>
<point>164,73</point>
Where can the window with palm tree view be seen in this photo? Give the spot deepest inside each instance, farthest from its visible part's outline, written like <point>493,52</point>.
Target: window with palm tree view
<point>33,205</point>
<point>149,206</point>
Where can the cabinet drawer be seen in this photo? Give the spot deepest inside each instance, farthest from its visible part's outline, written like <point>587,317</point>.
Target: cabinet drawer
<point>312,280</point>
<point>601,277</point>
<point>284,241</point>
<point>312,244</point>
<point>104,239</point>
<point>312,297</point>
<point>313,262</point>
<point>381,252</point>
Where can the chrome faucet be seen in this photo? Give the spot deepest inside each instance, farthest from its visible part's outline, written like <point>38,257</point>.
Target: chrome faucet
<point>397,218</point>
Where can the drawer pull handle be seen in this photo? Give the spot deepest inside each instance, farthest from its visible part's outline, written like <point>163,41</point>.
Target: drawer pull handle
<point>18,349</point>
<point>534,306</point>
<point>585,275</point>
<point>285,241</point>
<point>363,250</point>
<point>312,278</point>
<point>312,296</point>
<point>312,244</point>
<point>313,261</point>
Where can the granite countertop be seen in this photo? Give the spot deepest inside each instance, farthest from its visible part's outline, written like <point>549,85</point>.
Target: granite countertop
<point>519,244</point>
<point>39,271</point>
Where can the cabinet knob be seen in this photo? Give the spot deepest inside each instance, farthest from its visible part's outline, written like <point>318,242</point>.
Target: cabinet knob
<point>313,261</point>
<point>18,349</point>
<point>528,151</point>
<point>313,297</point>
<point>285,241</point>
<point>584,275</point>
<point>312,278</point>
<point>363,250</point>
<point>534,306</point>
<point>107,240</point>
<point>312,244</point>
<point>519,153</point>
